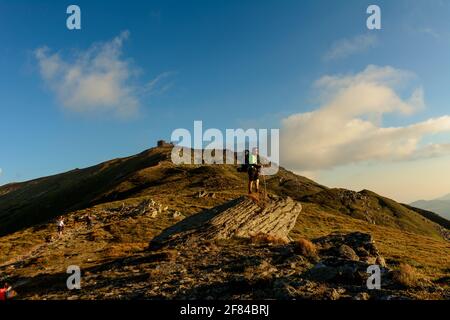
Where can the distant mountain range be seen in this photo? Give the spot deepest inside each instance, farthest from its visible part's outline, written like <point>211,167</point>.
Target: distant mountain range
<point>440,205</point>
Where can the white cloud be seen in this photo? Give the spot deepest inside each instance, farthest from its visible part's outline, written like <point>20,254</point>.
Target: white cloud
<point>98,79</point>
<point>347,47</point>
<point>159,85</point>
<point>430,32</point>
<point>347,127</point>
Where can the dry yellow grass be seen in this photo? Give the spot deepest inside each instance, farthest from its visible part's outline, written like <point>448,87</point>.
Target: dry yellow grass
<point>305,247</point>
<point>263,238</point>
<point>406,276</point>
<point>428,255</point>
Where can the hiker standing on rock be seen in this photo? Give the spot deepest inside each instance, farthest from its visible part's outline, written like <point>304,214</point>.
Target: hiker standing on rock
<point>60,225</point>
<point>254,169</point>
<point>252,165</point>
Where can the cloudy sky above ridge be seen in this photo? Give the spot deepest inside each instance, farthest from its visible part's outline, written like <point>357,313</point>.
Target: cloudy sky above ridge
<point>356,108</point>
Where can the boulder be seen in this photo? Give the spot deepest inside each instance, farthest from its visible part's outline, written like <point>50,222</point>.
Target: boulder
<point>322,272</point>
<point>380,261</point>
<point>347,252</point>
<point>243,217</point>
<point>154,213</point>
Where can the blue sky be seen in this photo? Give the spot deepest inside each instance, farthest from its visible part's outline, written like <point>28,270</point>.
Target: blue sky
<point>228,63</point>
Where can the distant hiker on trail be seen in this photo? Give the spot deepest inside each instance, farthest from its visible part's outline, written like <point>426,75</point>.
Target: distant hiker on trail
<point>6,292</point>
<point>88,221</point>
<point>60,224</point>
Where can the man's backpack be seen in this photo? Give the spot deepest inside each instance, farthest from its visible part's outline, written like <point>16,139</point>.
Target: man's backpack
<point>244,167</point>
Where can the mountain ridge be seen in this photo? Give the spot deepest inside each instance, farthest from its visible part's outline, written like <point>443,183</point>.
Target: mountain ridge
<point>137,200</point>
<point>38,200</point>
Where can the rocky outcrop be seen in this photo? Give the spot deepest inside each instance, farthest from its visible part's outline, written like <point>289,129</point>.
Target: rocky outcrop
<point>242,218</point>
<point>346,257</point>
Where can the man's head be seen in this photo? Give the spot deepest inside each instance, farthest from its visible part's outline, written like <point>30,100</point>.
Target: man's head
<point>255,151</point>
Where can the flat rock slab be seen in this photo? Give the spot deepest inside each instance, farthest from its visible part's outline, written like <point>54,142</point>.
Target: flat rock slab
<point>243,217</point>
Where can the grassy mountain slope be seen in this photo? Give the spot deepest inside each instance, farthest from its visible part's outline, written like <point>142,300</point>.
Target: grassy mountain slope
<point>112,193</point>
<point>148,173</point>
<point>151,173</point>
<point>113,251</point>
<point>27,203</point>
<point>431,216</point>
<point>374,209</point>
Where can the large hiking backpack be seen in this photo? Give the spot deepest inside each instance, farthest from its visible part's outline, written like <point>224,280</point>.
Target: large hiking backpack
<point>244,167</point>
